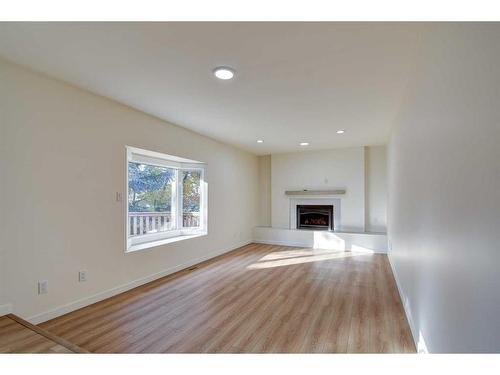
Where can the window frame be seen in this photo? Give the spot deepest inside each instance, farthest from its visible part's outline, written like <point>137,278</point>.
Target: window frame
<point>137,155</point>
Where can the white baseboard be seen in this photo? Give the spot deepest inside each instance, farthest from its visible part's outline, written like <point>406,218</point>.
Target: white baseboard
<point>75,305</point>
<point>406,307</point>
<point>5,309</point>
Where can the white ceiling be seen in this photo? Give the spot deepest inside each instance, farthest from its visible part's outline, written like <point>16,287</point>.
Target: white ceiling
<point>294,81</point>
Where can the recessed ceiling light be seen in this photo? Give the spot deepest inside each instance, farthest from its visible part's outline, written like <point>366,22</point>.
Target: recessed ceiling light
<point>304,143</point>
<point>340,131</point>
<point>260,141</point>
<point>224,72</point>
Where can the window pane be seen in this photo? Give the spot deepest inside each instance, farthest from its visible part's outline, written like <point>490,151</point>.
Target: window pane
<point>191,198</point>
<point>150,200</point>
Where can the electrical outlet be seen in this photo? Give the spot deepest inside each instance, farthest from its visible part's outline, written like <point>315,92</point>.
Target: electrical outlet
<point>118,196</point>
<point>43,287</point>
<point>82,276</point>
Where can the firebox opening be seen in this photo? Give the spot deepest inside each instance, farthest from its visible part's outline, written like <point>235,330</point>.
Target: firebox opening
<point>315,217</point>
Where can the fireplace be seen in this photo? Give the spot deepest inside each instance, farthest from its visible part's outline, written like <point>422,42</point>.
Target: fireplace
<point>315,217</point>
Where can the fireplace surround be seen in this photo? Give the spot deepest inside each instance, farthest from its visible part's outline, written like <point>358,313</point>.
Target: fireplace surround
<point>335,222</point>
<point>315,217</point>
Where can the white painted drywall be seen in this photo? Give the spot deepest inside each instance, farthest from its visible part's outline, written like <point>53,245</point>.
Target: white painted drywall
<point>4,300</point>
<point>328,169</point>
<point>264,191</point>
<point>63,153</point>
<point>293,81</point>
<point>376,189</point>
<point>444,191</point>
<point>342,241</point>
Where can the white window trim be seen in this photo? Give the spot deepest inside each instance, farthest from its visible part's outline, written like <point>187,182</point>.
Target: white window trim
<point>134,154</point>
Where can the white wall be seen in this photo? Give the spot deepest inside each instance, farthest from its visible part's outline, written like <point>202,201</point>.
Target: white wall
<point>329,169</point>
<point>264,191</point>
<point>4,300</point>
<point>343,168</point>
<point>355,242</point>
<point>376,189</point>
<point>4,307</point>
<point>444,191</point>
<point>63,153</point>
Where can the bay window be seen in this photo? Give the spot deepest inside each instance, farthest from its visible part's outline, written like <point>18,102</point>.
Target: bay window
<point>166,198</point>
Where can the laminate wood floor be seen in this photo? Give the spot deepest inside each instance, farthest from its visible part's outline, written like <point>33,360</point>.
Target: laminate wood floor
<point>15,337</point>
<point>256,299</point>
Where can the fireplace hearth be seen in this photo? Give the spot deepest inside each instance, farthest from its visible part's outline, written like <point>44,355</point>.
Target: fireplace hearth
<point>315,217</point>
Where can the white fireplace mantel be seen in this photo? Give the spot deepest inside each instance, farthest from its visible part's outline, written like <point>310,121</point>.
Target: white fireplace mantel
<point>306,192</point>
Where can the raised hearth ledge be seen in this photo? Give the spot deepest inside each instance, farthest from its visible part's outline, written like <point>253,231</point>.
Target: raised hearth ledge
<point>343,241</point>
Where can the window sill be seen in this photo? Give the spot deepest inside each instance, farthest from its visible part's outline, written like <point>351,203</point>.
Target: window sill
<point>165,241</point>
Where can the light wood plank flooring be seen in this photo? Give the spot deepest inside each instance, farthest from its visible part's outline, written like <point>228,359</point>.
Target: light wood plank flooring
<point>256,299</point>
<point>19,336</point>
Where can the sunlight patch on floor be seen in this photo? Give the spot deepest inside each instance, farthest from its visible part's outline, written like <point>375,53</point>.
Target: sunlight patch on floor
<point>295,253</point>
<point>299,256</point>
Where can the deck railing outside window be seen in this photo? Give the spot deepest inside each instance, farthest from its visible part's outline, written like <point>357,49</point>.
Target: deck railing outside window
<point>141,223</point>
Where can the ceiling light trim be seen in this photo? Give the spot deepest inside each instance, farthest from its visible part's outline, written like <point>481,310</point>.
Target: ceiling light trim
<point>224,73</point>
